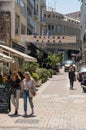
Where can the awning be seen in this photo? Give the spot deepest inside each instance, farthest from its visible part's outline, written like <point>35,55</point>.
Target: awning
<point>5,58</point>
<point>18,53</point>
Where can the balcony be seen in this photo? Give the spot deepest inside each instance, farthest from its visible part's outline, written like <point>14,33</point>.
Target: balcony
<point>31,2</point>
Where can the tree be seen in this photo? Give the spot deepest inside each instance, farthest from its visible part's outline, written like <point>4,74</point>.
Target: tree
<point>31,67</point>
<point>53,59</point>
<point>80,1</point>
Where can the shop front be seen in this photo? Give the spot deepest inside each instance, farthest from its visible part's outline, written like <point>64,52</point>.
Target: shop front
<point>18,57</point>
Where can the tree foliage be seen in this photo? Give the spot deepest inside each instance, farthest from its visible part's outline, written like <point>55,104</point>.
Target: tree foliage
<point>31,67</point>
<point>53,60</point>
<point>80,1</point>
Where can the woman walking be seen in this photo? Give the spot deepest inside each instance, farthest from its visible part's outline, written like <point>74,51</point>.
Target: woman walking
<point>71,76</point>
<point>15,82</point>
<point>28,91</point>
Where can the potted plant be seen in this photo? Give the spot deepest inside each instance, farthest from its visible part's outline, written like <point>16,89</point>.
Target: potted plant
<point>37,79</point>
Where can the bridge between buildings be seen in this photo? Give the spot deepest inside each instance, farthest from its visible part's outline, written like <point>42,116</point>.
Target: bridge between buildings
<point>53,42</point>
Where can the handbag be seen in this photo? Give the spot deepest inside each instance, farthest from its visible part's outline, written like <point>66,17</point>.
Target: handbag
<point>33,90</point>
<point>33,93</point>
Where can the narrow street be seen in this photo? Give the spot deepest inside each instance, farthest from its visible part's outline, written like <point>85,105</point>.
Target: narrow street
<point>56,108</point>
<point>59,86</point>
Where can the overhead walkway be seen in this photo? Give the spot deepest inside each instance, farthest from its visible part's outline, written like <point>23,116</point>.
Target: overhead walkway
<point>56,42</point>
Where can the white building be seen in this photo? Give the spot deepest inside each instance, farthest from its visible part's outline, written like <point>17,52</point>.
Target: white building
<point>83,22</point>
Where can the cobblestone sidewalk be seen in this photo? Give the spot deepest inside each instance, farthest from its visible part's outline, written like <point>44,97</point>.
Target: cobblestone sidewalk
<point>51,113</point>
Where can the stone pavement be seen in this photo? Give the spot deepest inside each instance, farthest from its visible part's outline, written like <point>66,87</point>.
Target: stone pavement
<point>52,111</point>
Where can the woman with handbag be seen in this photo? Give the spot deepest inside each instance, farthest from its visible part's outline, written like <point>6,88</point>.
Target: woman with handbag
<point>28,86</point>
<point>72,76</point>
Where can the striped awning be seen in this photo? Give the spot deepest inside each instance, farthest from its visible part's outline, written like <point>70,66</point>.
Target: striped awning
<point>18,53</point>
<point>5,58</point>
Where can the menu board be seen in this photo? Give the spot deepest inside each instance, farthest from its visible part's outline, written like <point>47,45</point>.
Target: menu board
<point>4,99</point>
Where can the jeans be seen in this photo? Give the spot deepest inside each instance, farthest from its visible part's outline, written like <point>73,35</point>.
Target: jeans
<point>71,83</point>
<point>15,101</point>
<point>25,95</point>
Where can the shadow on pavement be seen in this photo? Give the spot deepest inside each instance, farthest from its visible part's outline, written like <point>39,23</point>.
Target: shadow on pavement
<point>12,115</point>
<point>29,116</point>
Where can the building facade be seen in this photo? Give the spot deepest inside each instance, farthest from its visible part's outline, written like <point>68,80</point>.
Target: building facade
<point>26,16</point>
<point>18,19</point>
<point>5,27</point>
<point>30,18</point>
<point>83,28</point>
<point>74,15</point>
<point>58,24</point>
<point>39,9</point>
<point>83,20</point>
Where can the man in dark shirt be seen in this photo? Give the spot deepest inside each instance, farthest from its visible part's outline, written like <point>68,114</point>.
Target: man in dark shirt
<point>71,76</point>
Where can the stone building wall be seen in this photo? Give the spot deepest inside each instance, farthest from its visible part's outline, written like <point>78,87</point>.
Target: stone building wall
<point>5,27</point>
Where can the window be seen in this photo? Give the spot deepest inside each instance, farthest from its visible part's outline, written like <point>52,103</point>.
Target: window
<point>49,15</point>
<point>17,2</point>
<point>23,8</point>
<point>48,27</point>
<point>23,29</point>
<point>44,15</point>
<point>29,12</point>
<point>52,27</point>
<point>17,24</point>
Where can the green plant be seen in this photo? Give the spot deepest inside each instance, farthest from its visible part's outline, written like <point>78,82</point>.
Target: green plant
<point>51,71</point>
<point>31,67</point>
<point>80,1</point>
<point>35,76</point>
<point>43,74</point>
<point>53,59</point>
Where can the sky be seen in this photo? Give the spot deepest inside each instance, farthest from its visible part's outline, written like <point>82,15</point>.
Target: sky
<point>64,6</point>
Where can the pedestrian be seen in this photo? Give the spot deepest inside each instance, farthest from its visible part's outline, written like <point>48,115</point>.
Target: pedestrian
<point>21,75</point>
<point>15,82</point>
<point>71,75</point>
<point>28,86</point>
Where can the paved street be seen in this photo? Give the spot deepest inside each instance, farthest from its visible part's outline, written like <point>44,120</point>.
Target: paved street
<point>56,108</point>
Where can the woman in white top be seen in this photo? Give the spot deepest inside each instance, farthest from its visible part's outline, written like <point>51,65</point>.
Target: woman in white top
<point>28,88</point>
